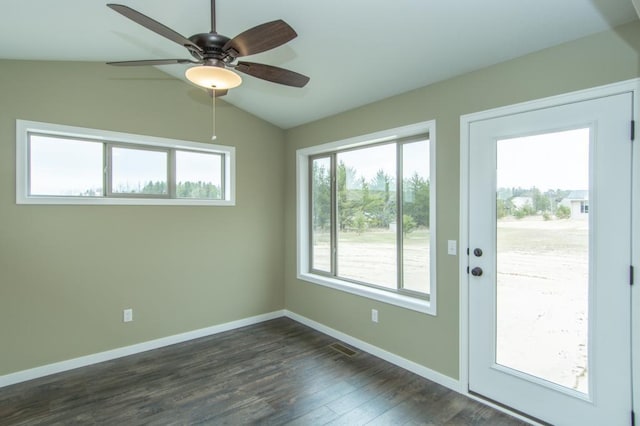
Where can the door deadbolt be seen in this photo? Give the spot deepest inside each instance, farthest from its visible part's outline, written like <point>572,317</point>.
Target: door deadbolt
<point>477,271</point>
<point>477,252</point>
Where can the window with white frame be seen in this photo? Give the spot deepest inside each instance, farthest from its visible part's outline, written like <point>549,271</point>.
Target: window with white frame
<point>365,214</point>
<point>71,165</point>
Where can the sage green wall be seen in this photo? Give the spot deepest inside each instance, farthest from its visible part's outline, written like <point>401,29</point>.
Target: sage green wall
<point>67,272</point>
<point>434,341</point>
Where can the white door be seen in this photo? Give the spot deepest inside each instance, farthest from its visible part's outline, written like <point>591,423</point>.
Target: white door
<point>549,261</point>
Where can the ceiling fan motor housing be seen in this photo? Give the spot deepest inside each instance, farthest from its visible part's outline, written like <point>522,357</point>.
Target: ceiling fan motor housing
<point>211,45</point>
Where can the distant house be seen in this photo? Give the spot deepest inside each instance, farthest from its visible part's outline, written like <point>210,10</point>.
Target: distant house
<point>520,202</point>
<point>578,202</point>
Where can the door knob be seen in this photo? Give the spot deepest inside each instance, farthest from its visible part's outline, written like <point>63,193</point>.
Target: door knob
<point>477,271</point>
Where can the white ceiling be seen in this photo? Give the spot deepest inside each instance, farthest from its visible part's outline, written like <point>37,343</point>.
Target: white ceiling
<point>354,51</point>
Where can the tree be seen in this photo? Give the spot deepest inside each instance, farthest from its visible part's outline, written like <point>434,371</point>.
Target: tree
<point>382,207</point>
<point>555,196</point>
<point>541,203</point>
<point>408,224</point>
<point>201,190</point>
<point>360,222</point>
<point>380,181</point>
<point>346,209</point>
<point>501,208</point>
<point>417,199</point>
<point>321,194</point>
<point>150,187</point>
<point>525,210</point>
<point>563,212</point>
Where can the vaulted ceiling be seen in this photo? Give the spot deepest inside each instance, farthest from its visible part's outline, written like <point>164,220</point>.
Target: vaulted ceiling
<point>354,51</point>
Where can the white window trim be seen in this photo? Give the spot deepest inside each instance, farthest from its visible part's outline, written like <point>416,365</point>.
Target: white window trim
<point>302,218</point>
<point>24,128</point>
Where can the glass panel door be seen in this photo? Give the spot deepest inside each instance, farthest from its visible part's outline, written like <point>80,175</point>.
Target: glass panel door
<point>549,217</point>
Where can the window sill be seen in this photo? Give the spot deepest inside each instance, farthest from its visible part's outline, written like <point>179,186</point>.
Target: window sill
<point>96,201</point>
<point>401,300</point>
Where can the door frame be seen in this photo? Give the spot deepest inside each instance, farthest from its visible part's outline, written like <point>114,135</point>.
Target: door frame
<point>466,120</point>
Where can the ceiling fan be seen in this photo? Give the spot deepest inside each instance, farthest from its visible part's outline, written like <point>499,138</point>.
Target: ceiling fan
<point>215,55</point>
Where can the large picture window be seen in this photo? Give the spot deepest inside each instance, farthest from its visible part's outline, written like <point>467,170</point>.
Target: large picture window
<point>365,215</point>
<point>70,165</point>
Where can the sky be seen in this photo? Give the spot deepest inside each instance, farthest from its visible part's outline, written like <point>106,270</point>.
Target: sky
<point>367,161</point>
<point>62,166</point>
<point>133,168</point>
<point>557,160</point>
<point>550,161</point>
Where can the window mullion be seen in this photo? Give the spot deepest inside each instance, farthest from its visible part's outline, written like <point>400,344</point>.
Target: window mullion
<point>399,216</point>
<point>171,173</point>
<point>27,165</point>
<point>105,169</point>
<point>333,237</point>
<point>223,175</point>
<point>310,215</point>
<point>108,170</point>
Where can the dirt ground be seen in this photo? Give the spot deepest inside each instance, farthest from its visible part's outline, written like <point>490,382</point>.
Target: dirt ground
<point>542,288</point>
<point>370,257</point>
<point>542,293</point>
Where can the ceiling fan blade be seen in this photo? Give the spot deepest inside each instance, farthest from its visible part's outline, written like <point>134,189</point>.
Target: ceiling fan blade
<point>218,93</point>
<point>152,62</point>
<point>154,26</point>
<point>258,39</point>
<point>273,74</point>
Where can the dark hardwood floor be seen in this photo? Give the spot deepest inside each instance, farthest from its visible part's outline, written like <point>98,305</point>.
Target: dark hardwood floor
<point>276,372</point>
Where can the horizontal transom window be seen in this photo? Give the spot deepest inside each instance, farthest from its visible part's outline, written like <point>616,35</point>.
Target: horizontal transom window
<point>70,165</point>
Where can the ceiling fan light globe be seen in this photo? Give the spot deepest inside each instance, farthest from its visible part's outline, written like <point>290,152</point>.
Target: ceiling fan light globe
<point>213,77</point>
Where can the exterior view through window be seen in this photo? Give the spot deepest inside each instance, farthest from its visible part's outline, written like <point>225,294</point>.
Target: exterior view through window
<point>65,167</point>
<point>543,256</point>
<point>199,175</point>
<point>139,171</point>
<point>370,215</point>
<point>63,164</point>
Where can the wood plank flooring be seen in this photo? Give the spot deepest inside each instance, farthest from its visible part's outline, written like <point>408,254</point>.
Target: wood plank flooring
<point>273,373</point>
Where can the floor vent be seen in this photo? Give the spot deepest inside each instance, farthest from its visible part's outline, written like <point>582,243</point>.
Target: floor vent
<point>343,349</point>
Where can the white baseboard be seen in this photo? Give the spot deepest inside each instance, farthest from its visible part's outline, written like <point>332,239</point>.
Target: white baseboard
<point>58,367</point>
<point>427,373</point>
<point>414,367</point>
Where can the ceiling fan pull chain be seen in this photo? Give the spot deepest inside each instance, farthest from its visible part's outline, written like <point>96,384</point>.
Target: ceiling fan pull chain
<point>213,109</point>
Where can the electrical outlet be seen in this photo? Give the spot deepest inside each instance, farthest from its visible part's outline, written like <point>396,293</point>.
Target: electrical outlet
<point>127,315</point>
<point>374,315</point>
